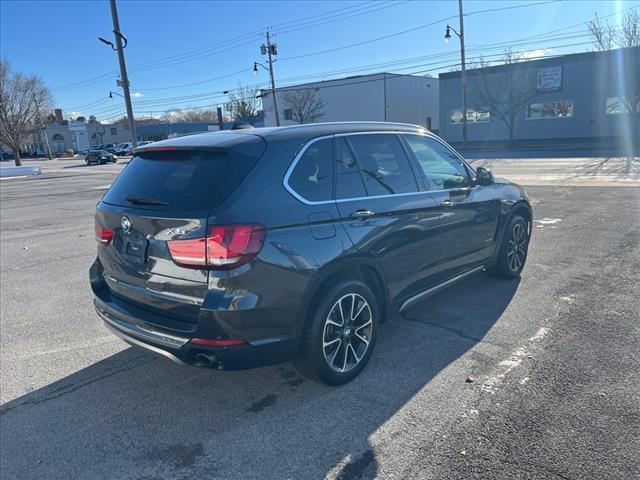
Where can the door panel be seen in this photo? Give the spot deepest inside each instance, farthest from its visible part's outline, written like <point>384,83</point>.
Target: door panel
<point>383,212</point>
<point>469,212</point>
<point>469,220</point>
<point>403,234</point>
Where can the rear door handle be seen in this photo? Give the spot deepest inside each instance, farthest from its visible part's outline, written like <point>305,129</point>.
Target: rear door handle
<point>361,214</point>
<point>447,203</point>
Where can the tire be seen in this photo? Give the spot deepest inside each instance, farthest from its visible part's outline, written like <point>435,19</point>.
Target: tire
<point>87,162</point>
<point>355,341</point>
<point>115,160</point>
<point>513,251</point>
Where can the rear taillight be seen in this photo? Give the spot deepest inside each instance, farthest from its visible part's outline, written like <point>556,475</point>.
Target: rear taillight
<point>225,246</point>
<point>103,235</point>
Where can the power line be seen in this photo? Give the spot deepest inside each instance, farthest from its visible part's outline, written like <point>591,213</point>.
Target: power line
<point>151,65</point>
<point>395,63</point>
<point>437,65</point>
<point>440,59</point>
<point>196,83</point>
<point>379,6</point>
<point>203,52</point>
<point>92,105</point>
<point>99,78</point>
<point>474,49</point>
<point>403,32</point>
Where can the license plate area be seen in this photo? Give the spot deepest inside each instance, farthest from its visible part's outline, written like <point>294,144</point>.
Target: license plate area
<point>134,248</point>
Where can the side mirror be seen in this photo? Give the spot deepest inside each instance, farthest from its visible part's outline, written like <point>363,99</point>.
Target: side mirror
<point>484,176</point>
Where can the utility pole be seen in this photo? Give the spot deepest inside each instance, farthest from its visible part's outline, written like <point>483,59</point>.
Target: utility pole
<point>123,70</point>
<point>463,77</point>
<point>270,50</point>
<point>220,119</point>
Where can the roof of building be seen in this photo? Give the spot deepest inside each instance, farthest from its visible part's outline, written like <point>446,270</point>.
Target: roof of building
<point>349,81</point>
<point>552,60</point>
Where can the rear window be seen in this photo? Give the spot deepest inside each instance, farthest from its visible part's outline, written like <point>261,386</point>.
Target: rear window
<point>183,179</point>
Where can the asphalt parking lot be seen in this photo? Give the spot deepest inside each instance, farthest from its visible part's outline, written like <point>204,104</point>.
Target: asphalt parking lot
<point>532,378</point>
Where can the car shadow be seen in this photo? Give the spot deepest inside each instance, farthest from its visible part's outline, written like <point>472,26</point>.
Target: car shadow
<point>133,415</point>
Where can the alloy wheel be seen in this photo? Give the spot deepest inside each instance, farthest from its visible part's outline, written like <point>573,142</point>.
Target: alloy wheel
<point>347,332</point>
<point>517,250</point>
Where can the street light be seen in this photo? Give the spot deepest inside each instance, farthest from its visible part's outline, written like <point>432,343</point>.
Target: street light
<point>255,67</point>
<point>447,35</point>
<point>107,42</point>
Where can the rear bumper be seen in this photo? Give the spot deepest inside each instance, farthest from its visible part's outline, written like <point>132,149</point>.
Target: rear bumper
<point>132,340</point>
<point>179,349</point>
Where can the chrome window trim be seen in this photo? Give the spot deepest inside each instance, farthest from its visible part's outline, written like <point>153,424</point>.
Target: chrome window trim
<point>301,152</point>
<point>293,165</point>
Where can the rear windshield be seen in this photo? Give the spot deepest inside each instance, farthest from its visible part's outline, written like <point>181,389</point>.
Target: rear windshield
<point>182,179</point>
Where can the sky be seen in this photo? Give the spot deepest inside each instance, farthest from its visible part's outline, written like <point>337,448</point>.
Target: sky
<point>184,54</point>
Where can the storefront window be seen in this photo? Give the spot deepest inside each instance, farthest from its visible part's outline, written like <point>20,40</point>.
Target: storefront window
<point>473,116</point>
<point>562,109</point>
<point>617,105</point>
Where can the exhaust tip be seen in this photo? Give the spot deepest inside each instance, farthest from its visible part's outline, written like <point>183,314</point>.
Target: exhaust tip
<point>206,360</point>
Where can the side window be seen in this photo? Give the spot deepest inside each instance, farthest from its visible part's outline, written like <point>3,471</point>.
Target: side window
<point>348,179</point>
<point>441,167</point>
<point>385,167</point>
<point>312,177</point>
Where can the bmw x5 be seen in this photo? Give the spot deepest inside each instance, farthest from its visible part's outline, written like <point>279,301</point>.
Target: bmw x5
<point>238,249</point>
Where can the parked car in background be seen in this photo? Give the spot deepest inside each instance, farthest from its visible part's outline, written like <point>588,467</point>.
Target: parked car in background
<point>99,156</point>
<point>109,147</point>
<point>251,247</point>
<point>123,149</point>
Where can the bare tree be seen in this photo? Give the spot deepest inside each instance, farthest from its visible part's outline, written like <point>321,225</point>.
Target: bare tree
<point>603,35</point>
<point>244,103</point>
<point>24,101</point>
<point>629,33</point>
<point>305,106</point>
<point>504,93</point>
<point>606,37</point>
<point>121,122</point>
<point>191,115</point>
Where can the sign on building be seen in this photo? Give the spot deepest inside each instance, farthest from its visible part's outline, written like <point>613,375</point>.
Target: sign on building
<point>549,79</point>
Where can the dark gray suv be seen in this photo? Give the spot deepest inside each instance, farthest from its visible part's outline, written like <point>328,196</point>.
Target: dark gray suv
<point>238,249</point>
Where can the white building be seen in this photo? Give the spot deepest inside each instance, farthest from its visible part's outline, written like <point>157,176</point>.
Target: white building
<point>377,97</point>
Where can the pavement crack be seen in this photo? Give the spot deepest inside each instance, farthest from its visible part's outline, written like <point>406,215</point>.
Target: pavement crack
<point>67,389</point>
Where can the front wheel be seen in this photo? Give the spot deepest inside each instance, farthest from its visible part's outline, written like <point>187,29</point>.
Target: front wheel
<point>514,249</point>
<point>340,335</point>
